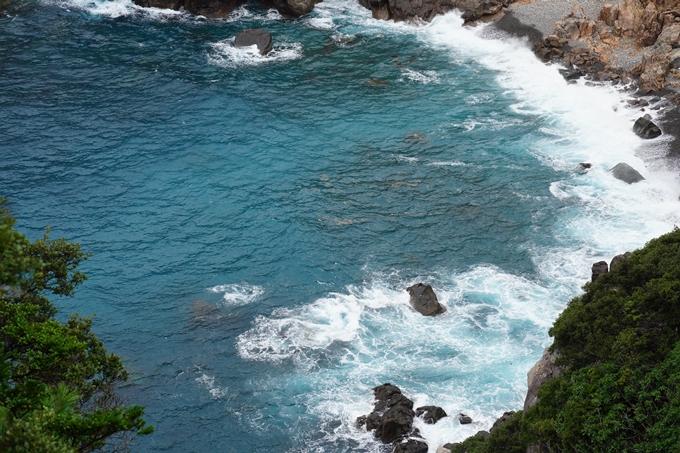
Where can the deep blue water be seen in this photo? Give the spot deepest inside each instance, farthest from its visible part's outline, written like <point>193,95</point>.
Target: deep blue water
<point>254,220</point>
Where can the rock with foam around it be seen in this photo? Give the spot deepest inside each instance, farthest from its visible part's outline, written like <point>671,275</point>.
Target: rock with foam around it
<point>430,414</point>
<point>392,416</point>
<point>626,173</point>
<point>291,8</point>
<point>261,38</point>
<point>424,300</point>
<point>645,128</point>
<point>411,446</point>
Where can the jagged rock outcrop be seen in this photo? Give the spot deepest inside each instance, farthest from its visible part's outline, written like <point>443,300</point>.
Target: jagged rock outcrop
<point>575,25</point>
<point>645,128</point>
<point>626,173</point>
<point>424,300</point>
<point>412,10</point>
<point>538,375</point>
<point>598,269</point>
<point>392,420</point>
<point>254,37</point>
<point>618,259</point>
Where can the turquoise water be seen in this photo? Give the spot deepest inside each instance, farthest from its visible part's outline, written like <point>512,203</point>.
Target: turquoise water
<point>254,220</point>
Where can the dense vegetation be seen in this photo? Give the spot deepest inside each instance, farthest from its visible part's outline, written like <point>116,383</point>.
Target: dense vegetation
<point>57,382</point>
<point>620,346</point>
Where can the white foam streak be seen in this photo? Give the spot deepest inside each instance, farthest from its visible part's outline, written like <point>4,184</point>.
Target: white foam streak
<point>224,54</point>
<point>235,295</point>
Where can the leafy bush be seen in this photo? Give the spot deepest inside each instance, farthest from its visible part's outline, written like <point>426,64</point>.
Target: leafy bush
<point>57,382</point>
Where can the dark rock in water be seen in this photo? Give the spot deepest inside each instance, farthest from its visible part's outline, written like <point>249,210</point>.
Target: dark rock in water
<point>424,300</point>
<point>645,128</point>
<point>392,418</point>
<point>415,137</point>
<point>539,374</point>
<point>464,419</point>
<point>598,269</point>
<point>211,8</point>
<point>410,10</point>
<point>626,173</point>
<point>430,414</point>
<point>253,36</point>
<point>291,8</point>
<point>585,165</point>
<point>502,419</point>
<point>618,259</point>
<point>410,446</point>
<point>165,4</point>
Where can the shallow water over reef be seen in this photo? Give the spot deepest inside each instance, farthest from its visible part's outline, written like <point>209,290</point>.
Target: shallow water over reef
<point>255,220</point>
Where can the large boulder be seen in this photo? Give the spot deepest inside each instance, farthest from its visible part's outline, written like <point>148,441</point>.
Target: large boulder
<point>629,19</point>
<point>653,68</point>
<point>598,269</point>
<point>403,10</point>
<point>501,420</point>
<point>424,300</point>
<point>254,37</point>
<point>291,8</point>
<point>538,375</point>
<point>626,173</point>
<point>430,414</point>
<point>575,25</point>
<point>645,128</point>
<point>651,24</point>
<point>670,35</point>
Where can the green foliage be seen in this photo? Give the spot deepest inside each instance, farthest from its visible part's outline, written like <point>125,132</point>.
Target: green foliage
<point>57,382</point>
<point>620,346</point>
<point>504,438</point>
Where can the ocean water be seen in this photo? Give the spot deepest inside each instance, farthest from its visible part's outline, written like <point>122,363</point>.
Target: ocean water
<point>254,220</point>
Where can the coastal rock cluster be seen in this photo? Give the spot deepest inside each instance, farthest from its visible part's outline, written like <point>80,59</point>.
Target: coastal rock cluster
<point>608,46</point>
<point>392,420</point>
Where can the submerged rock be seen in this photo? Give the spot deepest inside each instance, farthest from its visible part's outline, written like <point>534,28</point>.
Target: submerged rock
<point>645,128</point>
<point>626,173</point>
<point>424,300</point>
<point>253,36</point>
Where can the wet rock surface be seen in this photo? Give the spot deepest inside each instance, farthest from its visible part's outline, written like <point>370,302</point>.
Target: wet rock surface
<point>626,173</point>
<point>254,36</point>
<point>424,300</point>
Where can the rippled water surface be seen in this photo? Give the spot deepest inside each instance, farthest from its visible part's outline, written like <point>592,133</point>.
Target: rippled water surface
<point>255,220</point>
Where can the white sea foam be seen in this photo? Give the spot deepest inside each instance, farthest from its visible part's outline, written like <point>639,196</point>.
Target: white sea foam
<point>424,77</point>
<point>208,382</point>
<point>454,163</point>
<point>224,54</point>
<point>238,294</point>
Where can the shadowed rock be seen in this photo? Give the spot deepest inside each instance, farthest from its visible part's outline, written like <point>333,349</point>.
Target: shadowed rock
<point>598,269</point>
<point>464,419</point>
<point>645,128</point>
<point>424,300</point>
<point>539,374</point>
<point>411,446</point>
<point>252,36</point>
<point>626,173</point>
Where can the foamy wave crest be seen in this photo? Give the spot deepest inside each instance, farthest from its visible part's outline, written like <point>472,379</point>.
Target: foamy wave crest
<point>424,77</point>
<point>209,383</point>
<point>238,294</point>
<point>449,164</point>
<point>118,8</point>
<point>321,23</point>
<point>224,54</point>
